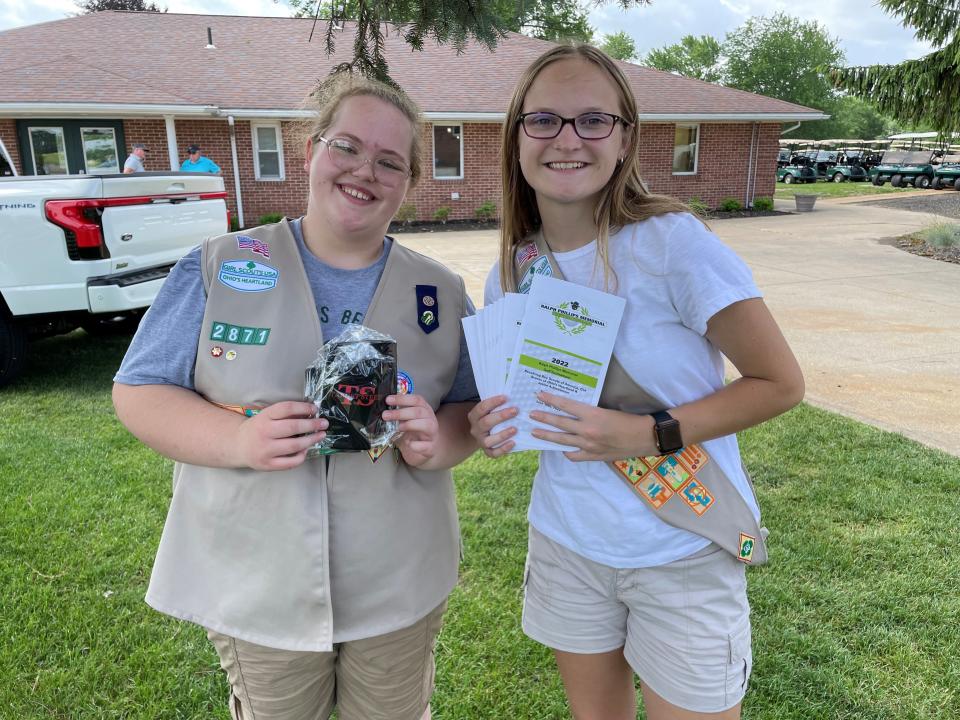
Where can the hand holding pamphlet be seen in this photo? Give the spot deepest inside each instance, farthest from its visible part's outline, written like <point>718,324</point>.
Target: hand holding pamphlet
<point>557,339</point>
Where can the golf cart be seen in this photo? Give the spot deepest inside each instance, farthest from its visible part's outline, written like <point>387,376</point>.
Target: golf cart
<point>799,167</point>
<point>848,167</point>
<point>947,174</point>
<point>902,167</point>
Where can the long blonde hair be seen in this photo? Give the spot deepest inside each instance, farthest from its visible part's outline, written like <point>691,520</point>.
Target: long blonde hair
<point>625,198</point>
<point>327,98</point>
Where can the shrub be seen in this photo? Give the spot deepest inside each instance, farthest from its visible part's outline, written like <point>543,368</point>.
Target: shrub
<point>406,214</point>
<point>698,206</point>
<point>763,203</point>
<point>270,218</point>
<point>942,235</point>
<point>234,223</point>
<point>441,213</point>
<point>729,205</point>
<point>486,211</point>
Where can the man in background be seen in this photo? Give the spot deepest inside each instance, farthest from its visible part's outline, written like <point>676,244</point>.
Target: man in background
<point>196,162</point>
<point>134,163</point>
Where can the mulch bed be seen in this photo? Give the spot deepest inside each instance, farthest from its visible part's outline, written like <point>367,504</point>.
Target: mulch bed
<point>420,226</point>
<point>938,202</point>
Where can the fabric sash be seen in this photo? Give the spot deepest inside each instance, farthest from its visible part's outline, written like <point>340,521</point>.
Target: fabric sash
<point>686,489</point>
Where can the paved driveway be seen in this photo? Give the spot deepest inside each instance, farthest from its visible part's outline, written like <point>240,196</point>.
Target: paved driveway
<point>876,329</point>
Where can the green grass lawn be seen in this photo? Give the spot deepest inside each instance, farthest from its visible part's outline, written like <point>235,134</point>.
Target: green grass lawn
<point>831,189</point>
<point>857,617</point>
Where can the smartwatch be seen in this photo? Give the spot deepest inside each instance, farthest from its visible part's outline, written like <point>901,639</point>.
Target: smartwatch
<point>666,432</point>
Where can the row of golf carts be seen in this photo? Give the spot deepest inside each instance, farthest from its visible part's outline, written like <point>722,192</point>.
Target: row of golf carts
<point>918,163</point>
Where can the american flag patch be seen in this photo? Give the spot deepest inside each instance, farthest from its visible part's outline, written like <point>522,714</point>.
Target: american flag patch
<point>527,253</point>
<point>245,242</point>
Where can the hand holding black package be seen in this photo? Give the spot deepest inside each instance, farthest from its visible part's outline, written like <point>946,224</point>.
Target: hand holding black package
<point>349,383</point>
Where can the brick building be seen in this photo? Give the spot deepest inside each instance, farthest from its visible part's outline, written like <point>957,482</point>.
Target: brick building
<point>235,86</point>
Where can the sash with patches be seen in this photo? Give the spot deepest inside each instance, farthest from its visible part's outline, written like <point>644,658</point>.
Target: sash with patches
<point>686,489</point>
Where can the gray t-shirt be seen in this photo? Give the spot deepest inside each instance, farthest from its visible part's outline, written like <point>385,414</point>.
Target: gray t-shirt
<point>134,163</point>
<point>164,350</point>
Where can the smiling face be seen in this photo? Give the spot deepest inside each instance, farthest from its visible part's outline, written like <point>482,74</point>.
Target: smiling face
<point>357,203</point>
<point>566,169</point>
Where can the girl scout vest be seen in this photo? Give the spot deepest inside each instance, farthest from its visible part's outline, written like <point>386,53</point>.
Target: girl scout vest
<point>686,489</point>
<point>284,559</point>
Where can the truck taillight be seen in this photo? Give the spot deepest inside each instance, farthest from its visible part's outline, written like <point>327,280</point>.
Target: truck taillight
<point>79,217</point>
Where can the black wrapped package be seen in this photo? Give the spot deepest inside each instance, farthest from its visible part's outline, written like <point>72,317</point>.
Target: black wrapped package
<point>349,383</point>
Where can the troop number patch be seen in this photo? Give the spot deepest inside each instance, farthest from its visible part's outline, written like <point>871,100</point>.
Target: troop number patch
<point>239,334</point>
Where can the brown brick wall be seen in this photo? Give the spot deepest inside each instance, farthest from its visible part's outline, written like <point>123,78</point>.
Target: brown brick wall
<point>722,165</point>
<point>721,171</point>
<point>8,133</point>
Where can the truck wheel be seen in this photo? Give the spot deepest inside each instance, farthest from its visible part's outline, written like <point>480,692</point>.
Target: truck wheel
<point>13,349</point>
<point>935,183</point>
<point>838,177</point>
<point>788,179</point>
<point>108,325</point>
<point>922,182</point>
<point>896,180</point>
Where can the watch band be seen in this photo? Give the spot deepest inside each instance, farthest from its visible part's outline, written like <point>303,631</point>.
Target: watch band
<point>666,432</point>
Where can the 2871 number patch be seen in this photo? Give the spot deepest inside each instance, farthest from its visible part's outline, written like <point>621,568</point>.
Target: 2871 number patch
<point>224,332</point>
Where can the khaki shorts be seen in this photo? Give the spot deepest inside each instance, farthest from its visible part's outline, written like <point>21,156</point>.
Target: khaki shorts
<point>387,677</point>
<point>684,627</point>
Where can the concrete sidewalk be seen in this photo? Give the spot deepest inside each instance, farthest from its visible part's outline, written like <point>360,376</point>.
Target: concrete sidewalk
<point>876,329</point>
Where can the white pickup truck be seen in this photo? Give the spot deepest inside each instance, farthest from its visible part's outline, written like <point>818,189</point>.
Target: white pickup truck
<point>92,251</point>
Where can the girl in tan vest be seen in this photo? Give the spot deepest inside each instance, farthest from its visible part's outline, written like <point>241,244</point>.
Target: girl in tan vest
<point>320,581</point>
<point>640,533</point>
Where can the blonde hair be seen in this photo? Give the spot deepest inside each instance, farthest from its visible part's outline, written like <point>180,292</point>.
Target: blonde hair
<point>625,198</point>
<point>330,94</point>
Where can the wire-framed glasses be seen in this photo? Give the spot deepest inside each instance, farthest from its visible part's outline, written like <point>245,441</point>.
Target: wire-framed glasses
<point>588,126</point>
<point>346,155</point>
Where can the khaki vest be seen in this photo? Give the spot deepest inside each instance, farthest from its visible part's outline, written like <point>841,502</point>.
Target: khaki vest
<point>686,489</point>
<point>299,558</point>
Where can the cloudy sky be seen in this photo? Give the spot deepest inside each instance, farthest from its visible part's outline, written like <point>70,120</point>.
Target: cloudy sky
<point>866,33</point>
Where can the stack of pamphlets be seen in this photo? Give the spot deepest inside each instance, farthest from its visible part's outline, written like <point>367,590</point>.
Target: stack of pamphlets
<point>559,339</point>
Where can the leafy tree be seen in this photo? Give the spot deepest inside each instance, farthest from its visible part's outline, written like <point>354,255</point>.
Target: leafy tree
<point>924,91</point>
<point>781,57</point>
<point>445,21</point>
<point>696,57</point>
<point>92,6</point>
<point>619,46</point>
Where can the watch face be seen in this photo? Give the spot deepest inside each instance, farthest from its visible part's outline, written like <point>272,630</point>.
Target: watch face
<point>669,434</point>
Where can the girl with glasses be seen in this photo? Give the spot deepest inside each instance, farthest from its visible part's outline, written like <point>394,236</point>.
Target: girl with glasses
<point>320,581</point>
<point>640,533</point>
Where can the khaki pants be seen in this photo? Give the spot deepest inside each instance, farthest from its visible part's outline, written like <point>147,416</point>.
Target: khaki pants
<point>387,677</point>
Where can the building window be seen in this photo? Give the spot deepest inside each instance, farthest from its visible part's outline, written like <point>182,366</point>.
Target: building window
<point>448,152</point>
<point>685,144</point>
<point>100,154</point>
<point>49,150</point>
<point>268,152</point>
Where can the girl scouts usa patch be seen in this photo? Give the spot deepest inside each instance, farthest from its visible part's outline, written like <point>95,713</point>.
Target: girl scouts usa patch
<point>541,266</point>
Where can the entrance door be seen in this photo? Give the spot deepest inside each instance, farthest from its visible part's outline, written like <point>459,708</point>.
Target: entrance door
<point>71,147</point>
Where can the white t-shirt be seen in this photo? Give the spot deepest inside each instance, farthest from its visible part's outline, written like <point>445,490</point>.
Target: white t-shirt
<point>674,275</point>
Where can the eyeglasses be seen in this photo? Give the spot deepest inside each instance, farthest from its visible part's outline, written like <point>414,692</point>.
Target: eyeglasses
<point>387,170</point>
<point>587,126</point>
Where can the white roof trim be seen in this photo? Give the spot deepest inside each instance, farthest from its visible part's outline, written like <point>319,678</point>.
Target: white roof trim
<point>730,117</point>
<point>48,109</point>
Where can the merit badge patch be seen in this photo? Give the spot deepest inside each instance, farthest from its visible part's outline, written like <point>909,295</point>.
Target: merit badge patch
<point>404,383</point>
<point>696,496</point>
<point>747,544</point>
<point>692,457</point>
<point>245,410</point>
<point>673,472</point>
<point>654,491</point>
<point>527,253</point>
<point>245,242</point>
<point>428,308</point>
<point>376,452</point>
<point>541,266</point>
<point>248,275</point>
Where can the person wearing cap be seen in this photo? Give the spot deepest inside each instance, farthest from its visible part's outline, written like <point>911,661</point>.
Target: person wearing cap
<point>134,163</point>
<point>196,162</point>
